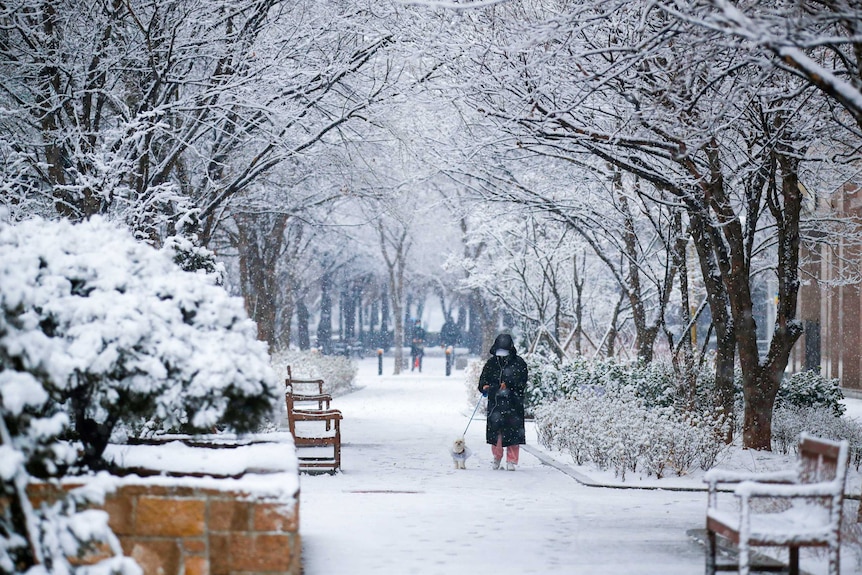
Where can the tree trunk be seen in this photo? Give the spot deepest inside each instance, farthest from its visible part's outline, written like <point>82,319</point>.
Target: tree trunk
<point>284,311</point>
<point>324,326</point>
<point>686,369</point>
<point>395,249</point>
<point>717,298</point>
<point>484,323</point>
<point>303,338</point>
<point>397,293</point>
<point>578,283</point>
<point>607,346</point>
<point>759,394</point>
<point>385,340</point>
<point>259,241</point>
<point>374,335</point>
<point>645,336</point>
<point>761,381</point>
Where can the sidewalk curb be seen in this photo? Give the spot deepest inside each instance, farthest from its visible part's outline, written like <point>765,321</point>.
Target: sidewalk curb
<point>586,481</point>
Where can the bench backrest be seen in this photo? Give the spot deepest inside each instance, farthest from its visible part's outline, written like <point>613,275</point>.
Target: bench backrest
<point>822,459</point>
<point>295,384</point>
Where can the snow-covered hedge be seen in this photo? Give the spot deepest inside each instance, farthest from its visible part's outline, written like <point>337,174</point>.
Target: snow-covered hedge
<point>40,540</point>
<point>810,389</point>
<point>337,372</point>
<point>612,427</point>
<point>551,379</point>
<point>138,344</point>
<point>639,416</point>
<point>624,417</point>
<point>788,421</point>
<point>472,373</point>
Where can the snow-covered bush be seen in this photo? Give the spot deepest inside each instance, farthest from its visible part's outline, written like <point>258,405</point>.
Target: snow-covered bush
<point>43,538</point>
<point>337,372</point>
<point>656,382</point>
<point>143,345</point>
<point>613,427</point>
<point>551,379</point>
<point>543,379</point>
<point>789,421</point>
<point>192,258</point>
<point>810,389</point>
<point>472,373</point>
<point>625,417</point>
<point>630,416</point>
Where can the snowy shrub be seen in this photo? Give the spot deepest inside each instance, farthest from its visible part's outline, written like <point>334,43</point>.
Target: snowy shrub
<point>615,429</point>
<point>337,372</point>
<point>550,379</point>
<point>789,421</point>
<point>810,389</point>
<point>625,418</point>
<point>31,424</point>
<point>146,346</point>
<point>543,383</point>
<point>472,373</point>
<point>192,258</point>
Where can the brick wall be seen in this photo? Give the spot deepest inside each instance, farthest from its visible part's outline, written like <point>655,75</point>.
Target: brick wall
<point>189,530</point>
<point>197,524</point>
<point>180,530</point>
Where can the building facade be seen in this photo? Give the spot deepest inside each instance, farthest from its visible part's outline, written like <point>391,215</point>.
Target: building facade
<point>830,297</point>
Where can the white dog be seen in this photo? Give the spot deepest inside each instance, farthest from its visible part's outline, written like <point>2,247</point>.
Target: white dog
<point>460,452</point>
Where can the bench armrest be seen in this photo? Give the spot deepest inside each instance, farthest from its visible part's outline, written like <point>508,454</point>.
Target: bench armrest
<point>293,382</point>
<point>715,476</point>
<point>311,397</point>
<point>757,489</point>
<point>315,415</point>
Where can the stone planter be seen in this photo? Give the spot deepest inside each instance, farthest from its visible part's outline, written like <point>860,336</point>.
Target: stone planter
<point>210,507</point>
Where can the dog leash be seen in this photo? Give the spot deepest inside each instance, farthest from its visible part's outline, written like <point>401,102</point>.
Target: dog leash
<point>475,409</point>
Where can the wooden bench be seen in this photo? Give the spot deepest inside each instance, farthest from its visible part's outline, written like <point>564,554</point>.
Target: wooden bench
<point>793,508</point>
<point>300,394</point>
<point>307,434</point>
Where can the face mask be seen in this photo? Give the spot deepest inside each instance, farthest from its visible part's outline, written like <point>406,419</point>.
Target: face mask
<point>502,352</point>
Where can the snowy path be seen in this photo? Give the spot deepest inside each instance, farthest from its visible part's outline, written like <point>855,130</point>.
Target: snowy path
<point>400,507</point>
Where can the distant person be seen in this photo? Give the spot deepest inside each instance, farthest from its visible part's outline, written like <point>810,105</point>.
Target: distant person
<point>448,338</point>
<point>417,346</point>
<point>449,333</point>
<point>504,380</point>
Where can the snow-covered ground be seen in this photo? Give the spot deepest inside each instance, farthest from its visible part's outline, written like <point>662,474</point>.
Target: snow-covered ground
<point>400,507</point>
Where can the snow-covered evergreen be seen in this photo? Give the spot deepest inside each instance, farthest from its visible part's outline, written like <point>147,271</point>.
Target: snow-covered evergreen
<point>136,343</point>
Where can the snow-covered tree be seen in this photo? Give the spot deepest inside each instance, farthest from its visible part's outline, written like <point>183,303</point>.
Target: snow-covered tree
<point>669,101</point>
<point>51,537</point>
<point>816,40</point>
<point>141,344</point>
<point>145,110</point>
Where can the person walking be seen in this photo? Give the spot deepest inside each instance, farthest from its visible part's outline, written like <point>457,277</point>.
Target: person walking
<point>504,380</point>
<point>417,346</point>
<point>449,333</point>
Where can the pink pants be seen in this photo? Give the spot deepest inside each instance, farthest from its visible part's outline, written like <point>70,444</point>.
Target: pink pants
<point>512,451</point>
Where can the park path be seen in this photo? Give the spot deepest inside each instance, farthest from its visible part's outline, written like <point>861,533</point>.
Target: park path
<point>399,507</point>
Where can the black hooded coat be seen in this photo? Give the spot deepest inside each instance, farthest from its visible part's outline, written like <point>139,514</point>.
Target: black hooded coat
<point>505,407</point>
